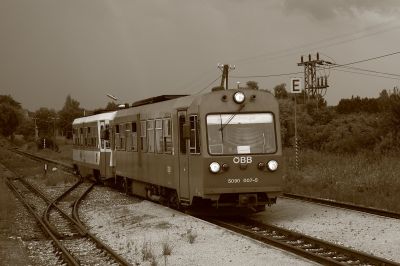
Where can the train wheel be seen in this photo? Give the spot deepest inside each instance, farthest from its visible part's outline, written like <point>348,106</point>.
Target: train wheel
<point>174,201</point>
<point>125,185</point>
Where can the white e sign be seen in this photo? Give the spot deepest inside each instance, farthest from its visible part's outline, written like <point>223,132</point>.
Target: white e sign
<point>296,85</point>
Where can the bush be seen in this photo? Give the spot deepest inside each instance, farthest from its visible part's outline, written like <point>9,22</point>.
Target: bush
<point>50,144</point>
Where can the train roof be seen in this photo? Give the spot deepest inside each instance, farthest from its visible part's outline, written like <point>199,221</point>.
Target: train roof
<point>93,118</point>
<point>157,99</point>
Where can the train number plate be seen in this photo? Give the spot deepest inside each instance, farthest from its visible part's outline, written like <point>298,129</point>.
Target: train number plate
<point>242,180</point>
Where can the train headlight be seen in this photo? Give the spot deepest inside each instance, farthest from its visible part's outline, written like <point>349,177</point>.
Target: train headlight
<point>215,167</point>
<point>272,165</point>
<point>239,97</point>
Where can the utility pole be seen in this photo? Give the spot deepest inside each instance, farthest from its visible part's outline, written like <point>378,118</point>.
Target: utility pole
<point>314,85</point>
<point>36,130</point>
<point>225,71</point>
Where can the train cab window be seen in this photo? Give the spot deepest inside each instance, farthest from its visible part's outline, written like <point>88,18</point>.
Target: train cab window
<point>159,137</point>
<point>194,135</point>
<point>240,133</point>
<point>143,131</point>
<point>150,135</point>
<point>167,135</point>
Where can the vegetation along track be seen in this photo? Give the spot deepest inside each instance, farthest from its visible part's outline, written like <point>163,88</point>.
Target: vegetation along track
<point>72,242</point>
<point>308,247</point>
<point>343,205</point>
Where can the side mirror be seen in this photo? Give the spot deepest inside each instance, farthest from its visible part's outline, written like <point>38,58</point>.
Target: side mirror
<point>186,131</point>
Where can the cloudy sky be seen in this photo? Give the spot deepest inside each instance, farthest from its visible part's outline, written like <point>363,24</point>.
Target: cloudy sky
<point>138,49</point>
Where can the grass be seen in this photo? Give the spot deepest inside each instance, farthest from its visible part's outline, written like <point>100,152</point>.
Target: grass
<point>365,179</point>
<point>191,236</point>
<point>147,253</point>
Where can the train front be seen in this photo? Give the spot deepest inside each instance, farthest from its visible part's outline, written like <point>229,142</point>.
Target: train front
<point>241,166</point>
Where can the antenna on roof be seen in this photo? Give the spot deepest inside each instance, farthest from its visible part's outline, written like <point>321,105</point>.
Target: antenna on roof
<point>112,97</point>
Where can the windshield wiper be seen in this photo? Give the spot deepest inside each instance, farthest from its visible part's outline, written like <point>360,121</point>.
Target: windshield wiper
<point>229,120</point>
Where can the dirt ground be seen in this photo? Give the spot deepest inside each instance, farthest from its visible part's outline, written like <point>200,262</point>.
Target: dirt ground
<point>12,251</point>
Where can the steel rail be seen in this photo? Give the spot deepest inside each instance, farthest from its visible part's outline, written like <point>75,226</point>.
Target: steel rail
<point>98,242</point>
<point>65,166</point>
<point>82,230</point>
<point>343,205</point>
<point>75,217</point>
<point>66,255</point>
<point>305,246</point>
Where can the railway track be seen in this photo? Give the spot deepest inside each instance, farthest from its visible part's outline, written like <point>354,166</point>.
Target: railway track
<point>58,218</point>
<point>305,246</point>
<point>314,249</point>
<point>343,205</point>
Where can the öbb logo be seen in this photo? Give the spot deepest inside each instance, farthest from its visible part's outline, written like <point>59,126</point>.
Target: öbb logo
<point>243,159</point>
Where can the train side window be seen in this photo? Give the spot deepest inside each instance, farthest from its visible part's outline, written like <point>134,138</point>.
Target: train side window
<point>143,143</point>
<point>85,136</point>
<point>81,139</point>
<point>107,137</point>
<point>128,139</point>
<point>194,135</point>
<point>74,136</point>
<point>116,137</point>
<point>134,137</point>
<point>121,137</point>
<point>167,134</point>
<point>182,140</point>
<point>150,135</point>
<point>159,136</point>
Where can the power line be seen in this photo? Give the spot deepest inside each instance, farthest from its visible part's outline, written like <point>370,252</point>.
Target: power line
<point>200,91</point>
<point>291,51</point>
<point>365,74</point>
<point>371,71</point>
<point>365,60</point>
<point>332,66</point>
<point>267,76</point>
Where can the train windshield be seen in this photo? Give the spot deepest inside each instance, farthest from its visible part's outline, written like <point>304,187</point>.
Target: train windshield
<point>241,133</point>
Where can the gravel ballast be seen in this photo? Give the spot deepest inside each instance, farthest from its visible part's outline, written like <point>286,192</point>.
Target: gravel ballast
<point>143,232</point>
<point>369,233</point>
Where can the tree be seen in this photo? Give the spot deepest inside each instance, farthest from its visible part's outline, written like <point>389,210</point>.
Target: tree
<point>67,114</point>
<point>8,120</point>
<point>27,128</point>
<point>252,85</point>
<point>10,115</point>
<point>280,91</point>
<point>45,121</point>
<point>111,106</point>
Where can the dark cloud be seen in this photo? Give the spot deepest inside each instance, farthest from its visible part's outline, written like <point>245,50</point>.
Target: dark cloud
<point>327,9</point>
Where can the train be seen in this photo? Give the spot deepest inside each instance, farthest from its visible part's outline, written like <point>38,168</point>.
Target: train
<point>220,150</point>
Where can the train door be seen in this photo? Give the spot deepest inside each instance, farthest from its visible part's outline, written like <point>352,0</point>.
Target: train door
<point>183,156</point>
<point>104,148</point>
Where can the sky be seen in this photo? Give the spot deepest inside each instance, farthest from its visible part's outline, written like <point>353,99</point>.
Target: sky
<point>135,49</point>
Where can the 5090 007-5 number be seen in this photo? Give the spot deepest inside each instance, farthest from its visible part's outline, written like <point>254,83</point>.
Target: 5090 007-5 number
<point>243,180</point>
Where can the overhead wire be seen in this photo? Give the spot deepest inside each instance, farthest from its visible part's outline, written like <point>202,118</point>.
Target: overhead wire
<point>294,50</point>
<point>365,74</point>
<point>212,82</point>
<point>331,66</point>
<point>267,76</point>
<point>370,71</point>
<point>283,54</point>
